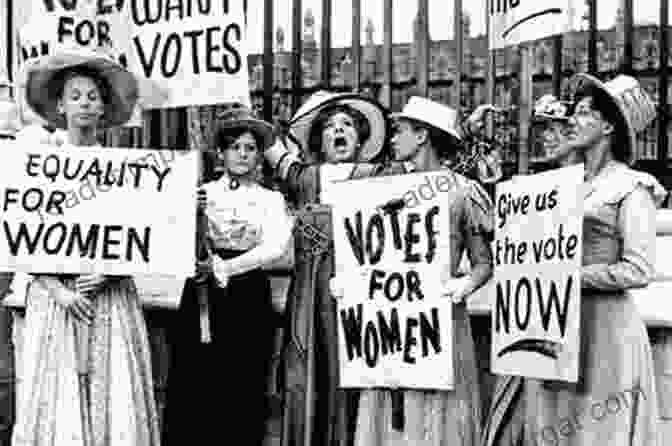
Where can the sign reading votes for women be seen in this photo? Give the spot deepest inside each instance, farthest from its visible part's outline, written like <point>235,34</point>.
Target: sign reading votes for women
<point>514,21</point>
<point>537,280</point>
<point>394,328</point>
<point>108,211</point>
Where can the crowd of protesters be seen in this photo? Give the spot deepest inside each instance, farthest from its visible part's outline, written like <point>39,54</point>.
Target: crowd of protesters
<point>335,137</point>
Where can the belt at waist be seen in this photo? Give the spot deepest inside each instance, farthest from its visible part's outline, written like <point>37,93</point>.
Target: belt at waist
<point>226,254</point>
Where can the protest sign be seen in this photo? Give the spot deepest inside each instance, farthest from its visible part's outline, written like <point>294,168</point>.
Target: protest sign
<point>194,49</point>
<point>537,280</point>
<point>515,21</point>
<point>107,211</point>
<point>394,328</point>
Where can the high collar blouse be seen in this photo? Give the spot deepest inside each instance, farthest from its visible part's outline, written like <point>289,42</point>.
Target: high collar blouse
<point>247,217</point>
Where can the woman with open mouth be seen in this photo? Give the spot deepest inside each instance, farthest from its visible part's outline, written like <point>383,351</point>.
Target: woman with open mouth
<point>339,137</point>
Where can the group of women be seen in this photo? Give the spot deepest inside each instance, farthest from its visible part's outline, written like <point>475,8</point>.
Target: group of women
<point>216,390</point>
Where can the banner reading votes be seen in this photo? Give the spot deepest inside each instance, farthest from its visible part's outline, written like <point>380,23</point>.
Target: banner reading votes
<point>537,280</point>
<point>194,50</point>
<point>108,211</point>
<point>394,328</point>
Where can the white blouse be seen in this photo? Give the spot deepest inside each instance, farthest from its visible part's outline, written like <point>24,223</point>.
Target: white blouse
<point>247,218</point>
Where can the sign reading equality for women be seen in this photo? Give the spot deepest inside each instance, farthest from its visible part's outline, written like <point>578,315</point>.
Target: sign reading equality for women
<point>108,211</point>
<point>394,328</point>
<point>537,281</point>
<point>195,51</point>
<point>514,21</point>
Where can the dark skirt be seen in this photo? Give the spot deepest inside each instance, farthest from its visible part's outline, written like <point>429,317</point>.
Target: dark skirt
<point>217,391</point>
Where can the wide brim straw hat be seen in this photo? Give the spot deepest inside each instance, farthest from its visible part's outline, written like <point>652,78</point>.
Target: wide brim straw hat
<point>43,82</point>
<point>238,116</point>
<point>439,116</point>
<point>633,103</point>
<point>302,122</point>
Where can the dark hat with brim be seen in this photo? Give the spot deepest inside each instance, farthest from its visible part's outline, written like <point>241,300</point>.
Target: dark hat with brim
<point>238,116</point>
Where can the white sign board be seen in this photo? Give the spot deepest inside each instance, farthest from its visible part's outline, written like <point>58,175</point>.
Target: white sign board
<point>195,52</point>
<point>514,21</point>
<point>394,328</point>
<point>537,275</point>
<point>107,211</point>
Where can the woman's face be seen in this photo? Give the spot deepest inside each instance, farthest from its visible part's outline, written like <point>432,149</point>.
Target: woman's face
<point>340,138</point>
<point>242,156</point>
<point>587,126</point>
<point>81,103</point>
<point>554,135</point>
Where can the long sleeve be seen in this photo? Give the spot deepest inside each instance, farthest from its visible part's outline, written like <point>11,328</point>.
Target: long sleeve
<point>276,232</point>
<point>477,230</point>
<point>636,222</point>
<point>300,179</point>
<point>18,289</point>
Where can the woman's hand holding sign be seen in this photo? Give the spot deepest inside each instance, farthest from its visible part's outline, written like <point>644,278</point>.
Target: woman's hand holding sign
<point>457,289</point>
<point>79,306</point>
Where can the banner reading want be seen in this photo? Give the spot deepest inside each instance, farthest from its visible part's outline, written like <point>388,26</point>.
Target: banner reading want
<point>394,328</point>
<point>537,279</point>
<point>108,211</point>
<point>193,51</point>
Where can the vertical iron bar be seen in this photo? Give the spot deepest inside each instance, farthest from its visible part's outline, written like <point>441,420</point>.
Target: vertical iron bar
<point>356,44</point>
<point>268,60</point>
<point>628,37</point>
<point>422,45</point>
<point>458,33</point>
<point>557,65</point>
<point>592,37</point>
<point>663,81</point>
<point>297,71</point>
<point>325,44</point>
<point>387,53</point>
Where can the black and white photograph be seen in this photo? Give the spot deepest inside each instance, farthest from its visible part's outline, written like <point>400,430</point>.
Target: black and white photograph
<point>322,223</point>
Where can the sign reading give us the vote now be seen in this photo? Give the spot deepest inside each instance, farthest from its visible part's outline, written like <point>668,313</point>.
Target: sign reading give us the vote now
<point>514,21</point>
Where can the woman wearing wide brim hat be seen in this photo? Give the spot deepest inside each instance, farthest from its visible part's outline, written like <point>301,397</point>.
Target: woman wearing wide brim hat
<point>615,399</point>
<point>337,136</point>
<point>550,117</point>
<point>369,118</point>
<point>245,228</point>
<point>84,326</point>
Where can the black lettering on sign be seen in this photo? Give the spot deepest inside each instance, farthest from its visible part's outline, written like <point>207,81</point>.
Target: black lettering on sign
<point>352,329</point>
<point>549,304</point>
<point>502,6</point>
<point>68,5</point>
<point>232,60</point>
<point>84,31</point>
<point>53,237</point>
<point>146,12</point>
<point>371,344</point>
<point>382,336</point>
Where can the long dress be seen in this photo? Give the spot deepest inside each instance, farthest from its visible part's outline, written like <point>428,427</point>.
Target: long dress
<point>122,405</point>
<point>615,401</point>
<point>247,222</point>
<point>331,413</point>
<point>441,417</point>
<point>516,399</point>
